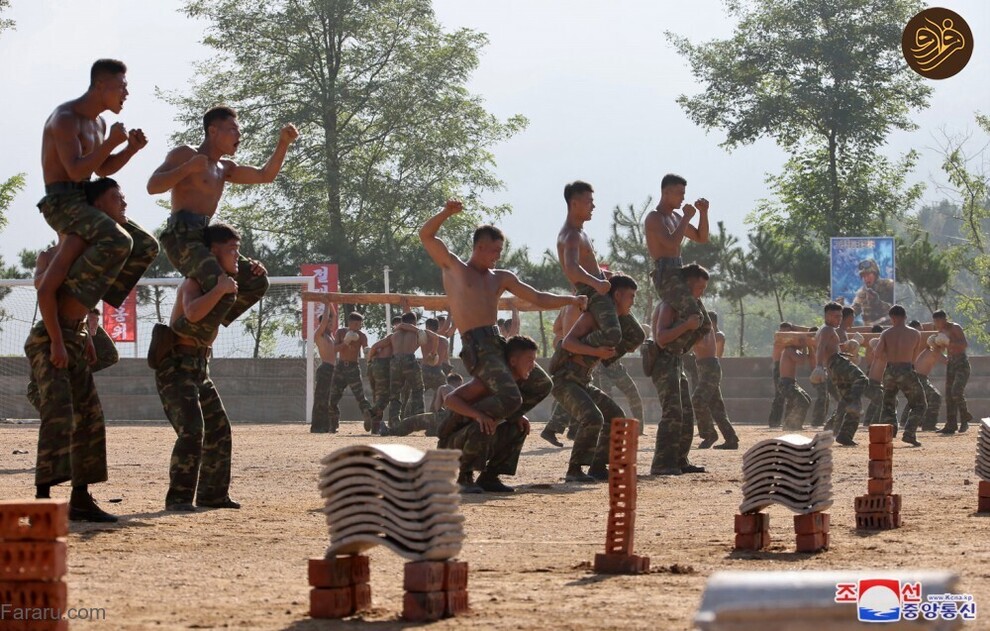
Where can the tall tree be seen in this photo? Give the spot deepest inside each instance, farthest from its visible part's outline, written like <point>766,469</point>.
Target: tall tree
<point>827,81</point>
<point>925,268</point>
<point>388,128</point>
<point>770,261</point>
<point>627,252</point>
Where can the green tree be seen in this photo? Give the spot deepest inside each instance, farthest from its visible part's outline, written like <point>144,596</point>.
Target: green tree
<point>770,263</point>
<point>827,81</point>
<point>925,268</point>
<point>5,23</point>
<point>388,128</point>
<point>627,253</point>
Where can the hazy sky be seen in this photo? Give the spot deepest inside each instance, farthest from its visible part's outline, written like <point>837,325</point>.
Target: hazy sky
<point>596,79</point>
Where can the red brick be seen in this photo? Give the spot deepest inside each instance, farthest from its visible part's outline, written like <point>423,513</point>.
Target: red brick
<point>455,576</point>
<point>756,541</point>
<point>629,426</point>
<point>33,595</point>
<point>621,564</point>
<point>752,523</point>
<point>331,603</point>
<point>895,503</point>
<point>813,542</point>
<point>881,451</point>
<point>32,560</point>
<point>340,571</point>
<point>878,521</point>
<point>457,602</point>
<point>878,503</point>
<point>362,597</point>
<point>622,453</point>
<point>38,520</point>
<point>984,505</point>
<point>423,576</point>
<point>423,606</point>
<point>984,489</point>
<point>881,434</point>
<point>879,487</point>
<point>811,523</point>
<point>881,469</point>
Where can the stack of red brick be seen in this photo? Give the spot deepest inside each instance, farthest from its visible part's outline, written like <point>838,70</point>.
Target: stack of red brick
<point>32,564</point>
<point>340,586</point>
<point>434,590</point>
<point>880,509</point>
<point>752,531</point>
<point>811,531</point>
<point>619,557</point>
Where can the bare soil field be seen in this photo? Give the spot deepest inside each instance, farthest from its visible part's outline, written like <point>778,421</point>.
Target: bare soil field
<point>529,552</point>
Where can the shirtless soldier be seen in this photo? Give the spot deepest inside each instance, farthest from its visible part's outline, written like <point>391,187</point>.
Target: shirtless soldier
<point>406,374</point>
<point>197,177</point>
<point>73,148</point>
<point>847,378</point>
<point>349,341</point>
<point>580,266</point>
<point>777,405</point>
<point>896,346</point>
<point>474,288</point>
<point>665,230</point>
<point>379,369</point>
<point>923,365</point>
<point>709,407</point>
<point>795,400</point>
<point>324,374</point>
<point>876,367</point>
<point>956,373</point>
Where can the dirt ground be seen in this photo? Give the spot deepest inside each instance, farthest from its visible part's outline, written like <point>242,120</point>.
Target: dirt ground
<point>529,552</point>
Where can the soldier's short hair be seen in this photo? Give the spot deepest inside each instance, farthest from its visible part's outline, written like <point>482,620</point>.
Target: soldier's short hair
<point>489,232</point>
<point>848,312</point>
<point>621,281</point>
<point>672,179</point>
<point>785,326</point>
<point>914,324</point>
<point>940,315</point>
<point>217,114</point>
<point>103,68</point>
<point>576,188</point>
<point>219,233</point>
<point>813,329</point>
<point>833,306</point>
<point>432,324</point>
<point>95,189</point>
<point>454,377</point>
<point>397,319</point>
<point>897,310</point>
<point>519,343</point>
<point>692,271</point>
<point>410,318</point>
<point>354,316</point>
<point>876,329</point>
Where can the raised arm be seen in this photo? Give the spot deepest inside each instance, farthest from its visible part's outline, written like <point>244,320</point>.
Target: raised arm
<point>672,239</point>
<point>516,321</point>
<point>511,283</point>
<point>435,247</point>
<point>65,132</point>
<point>699,234</point>
<point>136,141</point>
<point>197,305</point>
<point>180,163</point>
<point>241,174</point>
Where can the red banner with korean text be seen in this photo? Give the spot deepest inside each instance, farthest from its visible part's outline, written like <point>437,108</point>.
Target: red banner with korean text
<point>121,324</point>
<point>325,275</point>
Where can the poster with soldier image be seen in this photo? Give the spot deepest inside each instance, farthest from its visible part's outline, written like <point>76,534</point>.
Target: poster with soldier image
<point>863,276</point>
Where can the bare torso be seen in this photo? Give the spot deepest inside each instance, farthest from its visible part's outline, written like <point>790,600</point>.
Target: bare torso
<point>349,351</point>
<point>586,252</point>
<point>200,192</point>
<point>789,361</point>
<point>925,362</point>
<point>326,348</point>
<point>706,347</point>
<point>898,344</point>
<point>473,294</point>
<point>89,131</point>
<point>778,350</point>
<point>404,342</point>
<point>827,343</point>
<point>656,220</point>
<point>957,339</point>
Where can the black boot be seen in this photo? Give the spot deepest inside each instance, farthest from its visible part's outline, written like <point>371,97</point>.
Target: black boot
<point>82,507</point>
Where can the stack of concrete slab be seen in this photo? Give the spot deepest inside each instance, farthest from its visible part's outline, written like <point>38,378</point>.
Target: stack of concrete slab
<point>793,471</point>
<point>829,601</point>
<point>393,495</point>
<point>983,465</point>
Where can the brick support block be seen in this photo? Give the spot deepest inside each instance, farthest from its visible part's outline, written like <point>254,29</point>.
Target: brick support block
<point>38,520</point>
<point>337,602</point>
<point>32,560</point>
<point>33,595</point>
<point>810,524</point>
<point>984,505</point>
<point>756,541</point>
<point>881,434</point>
<point>881,469</point>
<point>341,571</point>
<point>362,597</point>
<point>984,489</point>
<point>457,602</point>
<point>813,542</point>
<point>423,606</point>
<point>423,576</point>
<point>621,564</point>
<point>752,523</point>
<point>878,521</point>
<point>881,451</point>
<point>455,576</point>
<point>879,487</point>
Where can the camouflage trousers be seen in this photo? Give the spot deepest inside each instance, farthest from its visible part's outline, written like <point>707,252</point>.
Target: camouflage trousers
<point>624,333</point>
<point>560,419</point>
<point>115,257</point>
<point>591,409</point>
<point>956,378</point>
<point>690,363</point>
<point>676,428</point>
<point>673,290</point>
<point>819,407</point>
<point>707,402</point>
<point>321,398</point>
<point>405,374</point>
<point>777,407</point>
<point>346,375</point>
<point>106,356</point>
<point>184,242</point>
<point>427,421</point>
<point>495,454</point>
<point>72,443</point>
<point>200,463</point>
<point>933,401</point>
<point>484,358</point>
<point>795,403</point>
<point>903,378</point>
<point>379,380</point>
<point>433,377</point>
<point>873,392</point>
<point>616,375</point>
<point>850,382</point>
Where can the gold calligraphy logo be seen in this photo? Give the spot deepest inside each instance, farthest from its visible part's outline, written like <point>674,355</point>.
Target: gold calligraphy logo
<point>937,43</point>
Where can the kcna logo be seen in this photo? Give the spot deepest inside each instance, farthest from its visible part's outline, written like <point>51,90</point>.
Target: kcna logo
<point>889,600</point>
<point>937,43</point>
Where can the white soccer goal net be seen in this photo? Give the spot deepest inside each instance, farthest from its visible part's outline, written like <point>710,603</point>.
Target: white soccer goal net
<point>258,362</point>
